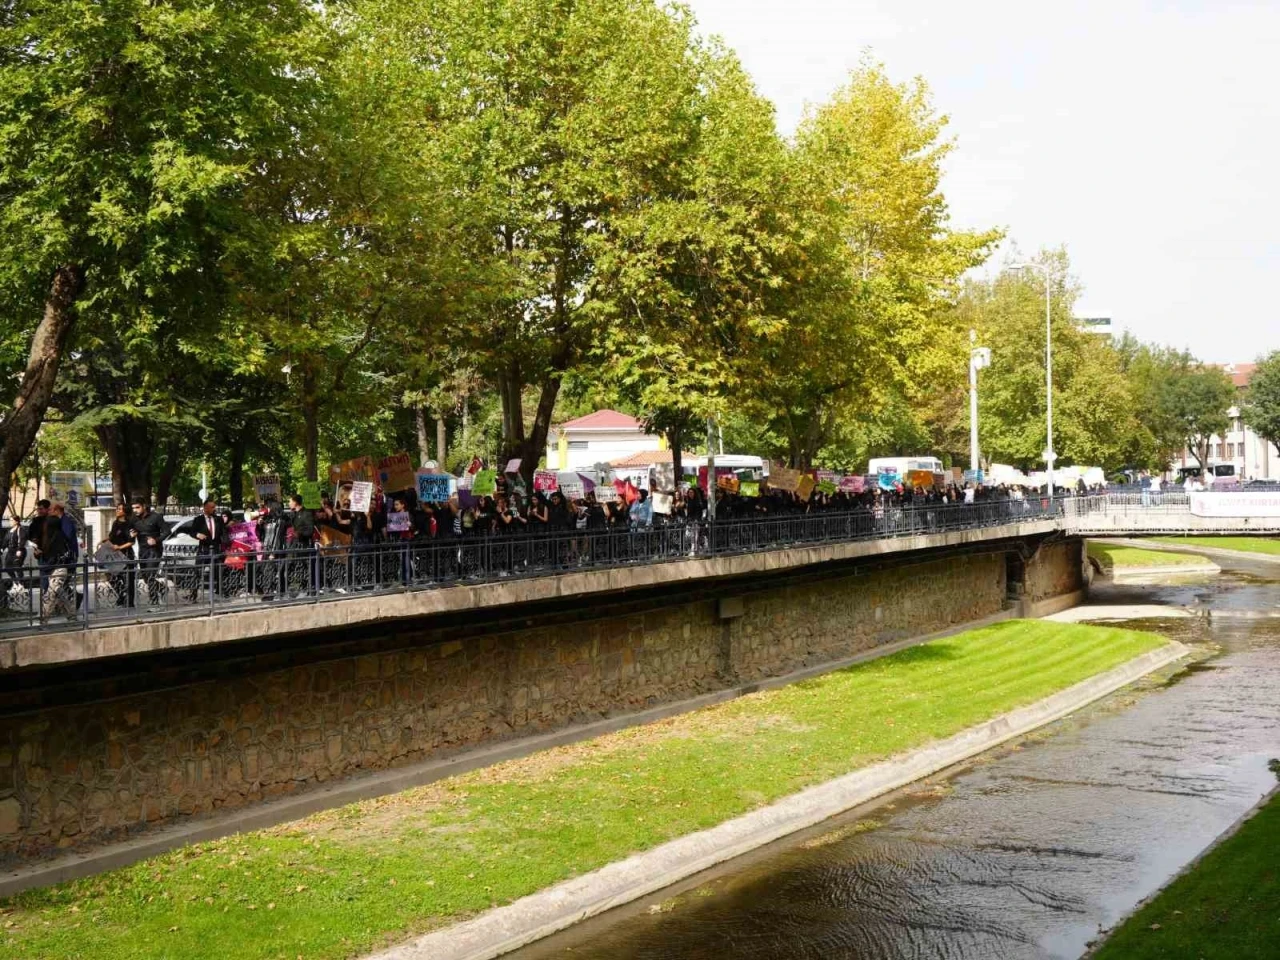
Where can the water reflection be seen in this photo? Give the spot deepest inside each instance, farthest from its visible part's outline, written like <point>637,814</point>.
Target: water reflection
<point>1025,854</point>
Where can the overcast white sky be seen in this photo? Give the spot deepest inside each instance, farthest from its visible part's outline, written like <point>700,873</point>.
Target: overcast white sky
<point>1142,135</point>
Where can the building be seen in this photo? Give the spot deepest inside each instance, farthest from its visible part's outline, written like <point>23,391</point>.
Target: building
<point>600,437</point>
<point>1241,454</point>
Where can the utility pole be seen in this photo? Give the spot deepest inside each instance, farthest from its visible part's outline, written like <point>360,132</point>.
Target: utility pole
<point>979,359</point>
<point>711,470</point>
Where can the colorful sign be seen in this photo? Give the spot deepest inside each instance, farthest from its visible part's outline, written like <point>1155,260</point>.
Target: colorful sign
<point>827,487</point>
<point>571,486</point>
<point>395,473</point>
<point>729,483</point>
<point>357,468</point>
<point>398,522</point>
<point>266,486</point>
<point>804,489</point>
<point>920,478</point>
<point>485,483</point>
<point>72,487</point>
<point>749,488</point>
<point>310,492</point>
<point>887,480</point>
<point>852,484</point>
<point>545,480</point>
<point>361,496</point>
<point>433,487</point>
<point>513,465</point>
<point>973,476</point>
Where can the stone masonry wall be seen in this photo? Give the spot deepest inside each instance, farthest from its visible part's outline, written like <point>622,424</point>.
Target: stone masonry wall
<point>1056,569</point>
<point>75,775</point>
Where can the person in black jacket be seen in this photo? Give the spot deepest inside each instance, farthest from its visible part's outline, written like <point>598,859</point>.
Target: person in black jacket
<point>115,554</point>
<point>210,531</point>
<point>303,521</point>
<point>149,532</point>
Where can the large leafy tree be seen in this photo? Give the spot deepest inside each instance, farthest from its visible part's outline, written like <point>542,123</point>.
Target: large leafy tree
<point>1197,397</point>
<point>128,130</point>
<point>881,260</point>
<point>1262,402</point>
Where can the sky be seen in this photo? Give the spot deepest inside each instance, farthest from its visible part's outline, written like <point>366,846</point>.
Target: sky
<point>1142,136</point>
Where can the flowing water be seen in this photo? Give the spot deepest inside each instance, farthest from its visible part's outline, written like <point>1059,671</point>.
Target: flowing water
<point>1027,852</point>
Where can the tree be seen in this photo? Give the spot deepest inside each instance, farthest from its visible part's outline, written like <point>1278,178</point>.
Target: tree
<point>127,133</point>
<point>1262,402</point>
<point>1197,398</point>
<point>880,260</point>
<point>1093,406</point>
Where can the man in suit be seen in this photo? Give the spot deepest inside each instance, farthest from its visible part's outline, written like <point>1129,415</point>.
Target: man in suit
<point>210,531</point>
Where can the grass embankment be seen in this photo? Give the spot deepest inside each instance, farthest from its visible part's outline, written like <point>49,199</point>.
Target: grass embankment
<point>1243,544</point>
<point>1113,557</point>
<point>1227,905</point>
<point>343,882</point>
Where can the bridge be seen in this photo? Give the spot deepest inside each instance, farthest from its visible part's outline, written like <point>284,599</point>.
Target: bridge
<point>1172,514</point>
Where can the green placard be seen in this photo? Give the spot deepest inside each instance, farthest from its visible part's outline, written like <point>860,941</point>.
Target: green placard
<point>311,495</point>
<point>486,483</point>
<point>826,487</point>
<point>749,488</point>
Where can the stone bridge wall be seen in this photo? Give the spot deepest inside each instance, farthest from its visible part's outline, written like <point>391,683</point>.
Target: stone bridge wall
<point>281,720</point>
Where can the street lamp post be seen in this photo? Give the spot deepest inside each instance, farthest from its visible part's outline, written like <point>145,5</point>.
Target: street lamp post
<point>1049,455</point>
<point>979,359</point>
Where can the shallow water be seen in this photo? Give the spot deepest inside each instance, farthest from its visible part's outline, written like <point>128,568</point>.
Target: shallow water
<point>1026,853</point>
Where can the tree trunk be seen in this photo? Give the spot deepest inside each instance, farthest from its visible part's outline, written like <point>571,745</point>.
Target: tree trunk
<point>129,448</point>
<point>675,439</point>
<point>530,448</point>
<point>424,442</point>
<point>171,458</point>
<point>311,424</point>
<point>235,482</point>
<point>441,451</point>
<point>19,428</point>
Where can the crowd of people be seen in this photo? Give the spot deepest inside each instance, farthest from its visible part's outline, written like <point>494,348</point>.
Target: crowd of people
<point>294,549</point>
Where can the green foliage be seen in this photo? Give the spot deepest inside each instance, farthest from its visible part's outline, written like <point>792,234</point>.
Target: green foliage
<point>1196,398</point>
<point>342,883</point>
<point>1262,403</point>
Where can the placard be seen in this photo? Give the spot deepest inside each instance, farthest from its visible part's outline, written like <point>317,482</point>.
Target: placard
<point>433,487</point>
<point>395,473</point>
<point>973,476</point>
<point>361,496</point>
<point>485,483</point>
<point>804,488</point>
<point>266,486</point>
<point>749,488</point>
<point>357,468</point>
<point>887,480</point>
<point>852,484</point>
<point>784,478</point>
<point>920,478</point>
<point>545,481</point>
<point>661,503</point>
<point>729,483</point>
<point>244,533</point>
<point>398,522</point>
<point>827,487</point>
<point>570,486</point>
<point>310,492</point>
<point>662,476</point>
<point>513,465</point>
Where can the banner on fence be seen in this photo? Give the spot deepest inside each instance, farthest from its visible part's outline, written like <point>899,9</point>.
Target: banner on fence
<point>361,496</point>
<point>311,494</point>
<point>266,486</point>
<point>1241,504</point>
<point>433,487</point>
<point>545,480</point>
<point>395,473</point>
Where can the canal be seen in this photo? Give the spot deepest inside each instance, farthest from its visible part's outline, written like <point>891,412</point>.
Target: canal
<point>1026,853</point>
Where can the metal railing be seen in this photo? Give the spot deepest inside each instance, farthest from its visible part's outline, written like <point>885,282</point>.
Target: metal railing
<point>91,593</point>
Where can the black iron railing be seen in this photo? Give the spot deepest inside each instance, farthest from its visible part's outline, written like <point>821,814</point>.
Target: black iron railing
<point>90,593</point>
